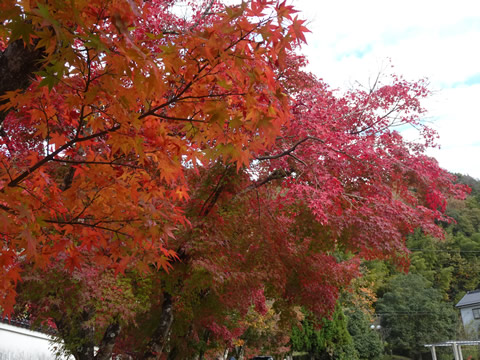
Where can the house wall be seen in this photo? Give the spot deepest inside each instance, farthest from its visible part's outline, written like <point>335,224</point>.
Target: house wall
<point>17,343</point>
<point>470,324</point>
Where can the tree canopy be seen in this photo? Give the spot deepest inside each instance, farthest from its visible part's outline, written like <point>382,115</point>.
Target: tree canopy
<point>171,173</point>
<point>414,315</point>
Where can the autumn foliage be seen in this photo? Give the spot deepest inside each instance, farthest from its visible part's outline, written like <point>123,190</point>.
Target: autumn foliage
<point>96,148</point>
<point>187,160</point>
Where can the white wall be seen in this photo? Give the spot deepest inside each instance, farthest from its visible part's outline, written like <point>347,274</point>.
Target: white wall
<point>17,343</point>
<point>470,324</point>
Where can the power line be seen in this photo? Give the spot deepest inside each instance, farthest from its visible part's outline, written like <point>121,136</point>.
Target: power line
<point>407,313</point>
<point>445,250</point>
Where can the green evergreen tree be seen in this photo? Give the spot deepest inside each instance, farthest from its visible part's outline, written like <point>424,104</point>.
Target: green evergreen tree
<point>367,342</point>
<point>331,341</point>
<point>414,314</point>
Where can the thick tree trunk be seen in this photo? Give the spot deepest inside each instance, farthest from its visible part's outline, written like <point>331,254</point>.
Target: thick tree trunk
<point>76,329</point>
<point>105,348</point>
<point>240,353</point>
<point>173,353</point>
<point>206,336</point>
<point>159,339</point>
<point>86,350</point>
<point>17,66</point>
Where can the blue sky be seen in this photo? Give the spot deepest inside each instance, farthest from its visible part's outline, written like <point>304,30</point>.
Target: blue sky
<point>352,40</point>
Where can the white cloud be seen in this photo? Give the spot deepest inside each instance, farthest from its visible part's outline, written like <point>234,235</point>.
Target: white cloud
<point>457,120</point>
<point>351,41</point>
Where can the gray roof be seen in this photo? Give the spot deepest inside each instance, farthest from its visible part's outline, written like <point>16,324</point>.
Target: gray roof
<point>470,298</point>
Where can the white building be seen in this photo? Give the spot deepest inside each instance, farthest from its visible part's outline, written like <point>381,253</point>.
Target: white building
<point>21,343</point>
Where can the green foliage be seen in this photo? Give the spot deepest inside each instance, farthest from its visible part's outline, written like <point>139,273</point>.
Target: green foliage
<point>367,342</point>
<point>451,265</point>
<point>54,298</point>
<point>413,314</point>
<point>473,183</point>
<point>432,261</point>
<point>331,341</point>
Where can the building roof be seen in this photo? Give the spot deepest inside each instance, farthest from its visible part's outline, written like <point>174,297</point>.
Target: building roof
<point>26,324</point>
<point>470,298</point>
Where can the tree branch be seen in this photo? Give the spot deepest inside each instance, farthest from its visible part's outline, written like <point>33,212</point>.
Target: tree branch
<point>176,118</point>
<point>283,153</point>
<point>204,15</point>
<point>65,146</point>
<point>96,226</point>
<point>277,174</point>
<point>289,151</point>
<point>86,162</point>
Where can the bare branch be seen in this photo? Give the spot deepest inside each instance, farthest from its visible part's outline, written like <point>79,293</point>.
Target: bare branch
<point>80,162</point>
<point>286,152</point>
<point>95,226</point>
<point>275,175</point>
<point>176,118</point>
<point>299,142</point>
<point>204,15</point>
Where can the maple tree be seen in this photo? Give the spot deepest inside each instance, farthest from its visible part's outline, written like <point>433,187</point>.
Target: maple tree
<point>94,151</point>
<point>339,180</point>
<point>136,141</point>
